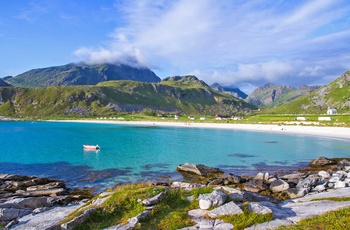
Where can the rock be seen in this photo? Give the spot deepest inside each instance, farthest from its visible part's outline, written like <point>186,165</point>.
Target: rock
<point>234,179</point>
<point>270,225</point>
<point>220,225</point>
<point>296,192</point>
<point>319,188</point>
<point>197,215</point>
<point>154,200</point>
<point>216,198</point>
<point>46,192</point>
<point>321,161</point>
<point>279,186</point>
<point>258,208</point>
<point>309,182</point>
<point>226,209</point>
<point>30,202</point>
<point>198,169</point>
<point>324,174</point>
<point>79,219</point>
<point>205,204</point>
<point>234,194</point>
<point>9,214</point>
<point>340,184</point>
<point>259,176</point>
<point>51,185</point>
<point>255,197</point>
<point>255,186</point>
<point>344,162</point>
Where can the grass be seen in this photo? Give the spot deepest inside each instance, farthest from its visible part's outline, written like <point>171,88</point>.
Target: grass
<point>334,220</point>
<point>246,219</point>
<point>170,213</point>
<point>337,199</point>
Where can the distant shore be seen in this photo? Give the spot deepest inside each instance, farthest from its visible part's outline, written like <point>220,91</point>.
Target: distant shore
<point>327,132</point>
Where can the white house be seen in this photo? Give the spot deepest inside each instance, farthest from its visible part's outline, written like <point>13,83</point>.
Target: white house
<point>331,111</point>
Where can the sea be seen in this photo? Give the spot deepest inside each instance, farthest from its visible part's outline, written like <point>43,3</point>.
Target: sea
<point>134,153</point>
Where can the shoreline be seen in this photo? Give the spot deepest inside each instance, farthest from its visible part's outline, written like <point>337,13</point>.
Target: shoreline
<point>342,133</point>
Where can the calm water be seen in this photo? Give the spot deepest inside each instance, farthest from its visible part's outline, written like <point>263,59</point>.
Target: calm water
<point>134,152</point>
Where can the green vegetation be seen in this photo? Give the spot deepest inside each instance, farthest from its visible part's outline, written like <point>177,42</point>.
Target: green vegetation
<point>337,199</point>
<point>170,213</point>
<point>334,220</point>
<point>80,74</point>
<point>334,95</point>
<point>111,98</point>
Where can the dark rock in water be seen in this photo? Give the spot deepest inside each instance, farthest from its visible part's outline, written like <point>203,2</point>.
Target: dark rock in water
<point>199,169</point>
<point>321,161</point>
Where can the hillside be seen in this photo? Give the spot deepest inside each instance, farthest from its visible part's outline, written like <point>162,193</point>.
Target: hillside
<point>236,92</point>
<point>185,95</point>
<point>271,95</point>
<point>80,74</point>
<point>335,95</point>
<point>3,83</point>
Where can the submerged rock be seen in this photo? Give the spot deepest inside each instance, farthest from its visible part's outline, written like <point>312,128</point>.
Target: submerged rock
<point>199,169</point>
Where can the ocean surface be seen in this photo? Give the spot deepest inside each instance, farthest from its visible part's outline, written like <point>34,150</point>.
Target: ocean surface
<point>131,153</point>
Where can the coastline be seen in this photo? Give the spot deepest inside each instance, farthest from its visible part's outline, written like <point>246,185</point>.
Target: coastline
<point>342,133</point>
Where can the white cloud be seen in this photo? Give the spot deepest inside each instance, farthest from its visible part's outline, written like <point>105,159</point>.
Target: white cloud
<point>231,42</point>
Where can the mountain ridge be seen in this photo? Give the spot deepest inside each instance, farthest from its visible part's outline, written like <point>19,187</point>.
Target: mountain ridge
<point>236,92</point>
<point>80,74</point>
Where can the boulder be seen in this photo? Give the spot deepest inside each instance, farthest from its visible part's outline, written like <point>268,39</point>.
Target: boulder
<point>226,209</point>
<point>154,200</point>
<point>234,179</point>
<point>344,162</point>
<point>324,174</point>
<point>279,186</point>
<point>234,194</point>
<point>255,186</point>
<point>198,169</point>
<point>319,187</point>
<point>321,161</point>
<point>309,182</point>
<point>79,219</point>
<point>9,214</point>
<point>296,192</point>
<point>258,208</point>
<point>216,198</point>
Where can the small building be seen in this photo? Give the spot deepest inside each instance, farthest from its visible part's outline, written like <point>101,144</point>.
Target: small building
<point>202,118</point>
<point>176,117</point>
<point>331,111</point>
<point>301,118</point>
<point>217,117</point>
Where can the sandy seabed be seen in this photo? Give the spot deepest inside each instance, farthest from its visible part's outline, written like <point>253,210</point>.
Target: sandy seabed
<point>328,132</point>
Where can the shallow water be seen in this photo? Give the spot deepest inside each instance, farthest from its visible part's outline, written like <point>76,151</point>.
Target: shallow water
<point>143,153</point>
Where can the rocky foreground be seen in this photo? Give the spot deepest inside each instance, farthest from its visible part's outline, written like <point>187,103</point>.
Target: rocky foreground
<point>40,203</point>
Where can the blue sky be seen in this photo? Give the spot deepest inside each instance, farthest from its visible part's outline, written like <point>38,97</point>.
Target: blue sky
<point>241,43</point>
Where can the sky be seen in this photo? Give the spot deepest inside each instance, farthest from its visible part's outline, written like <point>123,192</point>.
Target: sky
<point>238,43</point>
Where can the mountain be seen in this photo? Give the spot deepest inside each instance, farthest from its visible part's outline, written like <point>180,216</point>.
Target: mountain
<point>3,83</point>
<point>271,95</point>
<point>81,74</point>
<point>334,95</point>
<point>185,95</point>
<point>236,92</point>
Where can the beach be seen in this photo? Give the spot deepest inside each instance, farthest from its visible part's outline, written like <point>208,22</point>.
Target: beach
<point>321,131</point>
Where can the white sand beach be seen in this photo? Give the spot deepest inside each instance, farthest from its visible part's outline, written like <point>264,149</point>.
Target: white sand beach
<point>327,132</point>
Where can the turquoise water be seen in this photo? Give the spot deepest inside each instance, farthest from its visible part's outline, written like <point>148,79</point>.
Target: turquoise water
<point>143,153</point>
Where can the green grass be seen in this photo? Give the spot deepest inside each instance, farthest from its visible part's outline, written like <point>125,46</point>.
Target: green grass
<point>337,199</point>
<point>246,219</point>
<point>334,220</point>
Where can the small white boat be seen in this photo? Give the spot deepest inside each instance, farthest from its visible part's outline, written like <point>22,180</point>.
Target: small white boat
<point>91,147</point>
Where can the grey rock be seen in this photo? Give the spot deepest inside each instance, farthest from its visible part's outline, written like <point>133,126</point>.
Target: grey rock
<point>297,192</point>
<point>344,162</point>
<point>258,208</point>
<point>339,184</point>
<point>9,214</point>
<point>234,179</point>
<point>309,182</point>
<point>255,186</point>
<point>198,169</point>
<point>216,198</point>
<point>254,197</point>
<point>270,225</point>
<point>226,209</point>
<point>279,186</point>
<point>324,174</point>
<point>154,200</point>
<point>79,219</point>
<point>319,187</point>
<point>30,202</point>
<point>259,176</point>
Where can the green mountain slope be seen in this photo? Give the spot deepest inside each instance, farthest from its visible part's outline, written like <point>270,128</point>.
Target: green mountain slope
<point>81,74</point>
<point>335,95</point>
<point>186,95</point>
<point>271,95</point>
